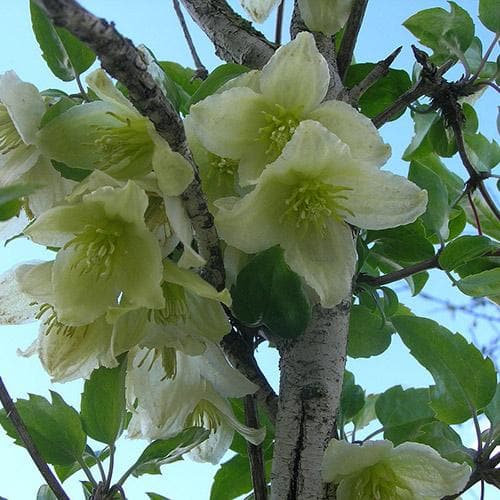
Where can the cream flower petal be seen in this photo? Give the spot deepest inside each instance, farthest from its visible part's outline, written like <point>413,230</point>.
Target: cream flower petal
<point>296,77</point>
<point>99,82</point>
<point>35,280</point>
<point>354,129</point>
<point>326,16</point>
<point>259,10</point>
<point>17,162</point>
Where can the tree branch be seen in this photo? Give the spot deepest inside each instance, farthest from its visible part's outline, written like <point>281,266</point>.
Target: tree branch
<point>279,23</point>
<point>234,38</point>
<point>350,36</point>
<point>123,61</point>
<point>18,423</point>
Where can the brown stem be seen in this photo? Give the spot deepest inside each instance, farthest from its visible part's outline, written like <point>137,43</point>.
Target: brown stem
<point>255,453</point>
<point>474,213</point>
<point>279,23</point>
<point>18,423</point>
<point>350,36</point>
<point>201,71</point>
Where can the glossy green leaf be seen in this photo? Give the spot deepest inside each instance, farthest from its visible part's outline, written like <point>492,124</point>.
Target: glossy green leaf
<point>269,293</point>
<point>464,249</point>
<point>492,411</point>
<point>420,145</point>
<point>352,398</point>
<point>166,451</point>
<point>457,223</point>
<point>103,407</point>
<point>442,139</point>
<point>55,428</point>
<point>474,55</point>
<point>74,174</point>
<point>488,221</point>
<point>464,379</point>
<point>62,105</point>
<point>369,335</point>
<point>367,414</point>
<point>445,441</point>
<point>65,55</point>
<point>390,301</point>
<point>483,154</point>
<point>184,77</point>
<point>435,218</point>
<point>488,14</point>
<point>45,493</point>
<point>89,457</point>
<point>218,77</point>
<point>482,284</point>
<point>448,34</point>
<point>403,412</point>
<point>382,93</point>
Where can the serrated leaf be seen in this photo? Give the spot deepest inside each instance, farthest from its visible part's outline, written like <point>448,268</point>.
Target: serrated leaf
<point>269,293</point>
<point>367,413</point>
<point>89,457</point>
<point>483,284</point>
<point>165,451</point>
<point>103,407</point>
<point>218,77</point>
<point>369,335</point>
<point>352,398</point>
<point>488,14</point>
<point>435,218</point>
<point>403,412</point>
<point>45,493</point>
<point>66,56</point>
<point>55,428</point>
<point>464,249</point>
<point>465,381</point>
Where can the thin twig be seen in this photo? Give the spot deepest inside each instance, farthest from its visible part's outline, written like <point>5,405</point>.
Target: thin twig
<point>18,423</point>
<point>378,71</point>
<point>350,36</point>
<point>279,23</point>
<point>201,71</point>
<point>474,213</point>
<point>485,57</point>
<point>255,453</point>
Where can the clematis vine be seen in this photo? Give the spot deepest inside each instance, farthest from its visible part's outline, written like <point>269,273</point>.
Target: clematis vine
<point>196,394</point>
<point>105,251</point>
<point>379,470</point>
<point>305,202</point>
<point>326,16</point>
<point>252,124</point>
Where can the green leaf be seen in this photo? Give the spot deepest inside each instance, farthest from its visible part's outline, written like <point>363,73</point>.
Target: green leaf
<point>382,93</point>
<point>435,218</point>
<point>45,493</point>
<point>488,14</point>
<point>10,202</point>
<point>369,335</point>
<point>156,496</point>
<point>62,105</point>
<point>448,34</point>
<point>488,221</point>
<point>390,301</point>
<point>492,411</point>
<point>403,412</point>
<point>269,293</point>
<point>74,174</point>
<point>55,428</point>
<point>89,457</point>
<point>218,77</point>
<point>352,398</point>
<point>474,56</point>
<point>181,76</point>
<point>445,441</point>
<point>103,410</point>
<point>464,249</point>
<point>166,451</point>
<point>420,145</point>
<point>483,154</point>
<point>457,222</point>
<point>442,139</point>
<point>465,381</point>
<point>367,414</point>
<point>482,284</point>
<point>65,55</point>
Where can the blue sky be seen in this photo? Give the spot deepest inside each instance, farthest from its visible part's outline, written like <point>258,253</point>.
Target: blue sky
<point>154,24</point>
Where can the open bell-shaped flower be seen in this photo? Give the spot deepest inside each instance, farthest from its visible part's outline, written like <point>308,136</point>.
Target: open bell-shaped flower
<point>252,127</point>
<point>305,201</point>
<point>377,469</point>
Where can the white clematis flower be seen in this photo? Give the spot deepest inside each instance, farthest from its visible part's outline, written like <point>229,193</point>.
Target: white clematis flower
<point>196,395</point>
<point>259,10</point>
<point>304,202</point>
<point>253,127</point>
<point>376,469</point>
<point>326,16</point>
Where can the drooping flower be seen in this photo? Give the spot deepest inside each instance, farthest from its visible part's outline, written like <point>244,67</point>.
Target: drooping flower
<point>304,202</point>
<point>326,16</point>
<point>111,135</point>
<point>252,127</point>
<point>379,470</point>
<point>105,251</point>
<point>259,10</point>
<point>194,395</point>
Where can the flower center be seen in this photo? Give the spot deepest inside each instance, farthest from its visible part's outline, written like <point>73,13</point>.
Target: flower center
<point>175,309</point>
<point>168,357</point>
<point>312,202</point>
<point>121,145</point>
<point>53,325</point>
<point>95,247</point>
<point>223,167</point>
<point>206,415</point>
<point>9,136</point>
<point>279,128</point>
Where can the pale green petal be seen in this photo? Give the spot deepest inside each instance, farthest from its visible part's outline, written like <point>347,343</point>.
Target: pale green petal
<point>24,105</point>
<point>259,10</point>
<point>353,128</point>
<point>426,473</point>
<point>250,79</point>
<point>97,179</point>
<point>296,77</point>
<point>327,262</point>
<point>213,449</point>
<point>99,82</point>
<point>35,280</point>
<point>366,486</point>
<point>326,16</point>
<point>234,261</point>
<point>193,282</point>
<point>227,124</point>
<point>128,330</point>
<point>342,459</point>
<point>16,163</point>
<point>378,199</point>
<point>252,165</point>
